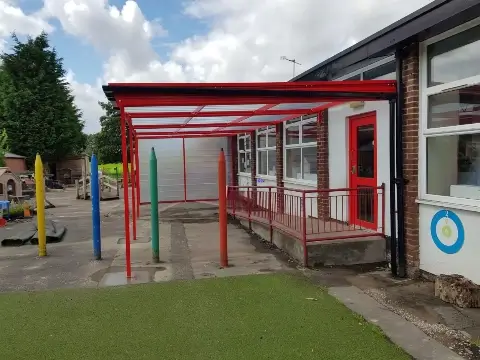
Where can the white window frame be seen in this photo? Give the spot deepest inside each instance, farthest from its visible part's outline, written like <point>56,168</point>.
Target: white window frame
<point>265,131</point>
<point>424,132</point>
<point>302,120</point>
<point>244,136</point>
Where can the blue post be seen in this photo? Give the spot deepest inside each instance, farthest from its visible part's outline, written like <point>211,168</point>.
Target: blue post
<point>95,196</point>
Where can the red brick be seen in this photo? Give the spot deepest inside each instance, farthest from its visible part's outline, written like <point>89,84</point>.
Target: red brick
<point>322,165</point>
<point>410,150</point>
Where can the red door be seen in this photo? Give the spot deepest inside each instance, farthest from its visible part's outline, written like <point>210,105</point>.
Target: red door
<point>363,204</point>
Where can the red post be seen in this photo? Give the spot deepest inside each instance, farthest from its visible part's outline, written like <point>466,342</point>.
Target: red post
<point>304,230</point>
<point>185,171</point>
<point>222,208</point>
<point>383,208</point>
<point>132,183</point>
<point>137,175</point>
<point>128,264</point>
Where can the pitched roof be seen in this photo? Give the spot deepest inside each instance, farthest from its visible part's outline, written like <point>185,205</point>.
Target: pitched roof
<point>6,170</point>
<point>10,155</point>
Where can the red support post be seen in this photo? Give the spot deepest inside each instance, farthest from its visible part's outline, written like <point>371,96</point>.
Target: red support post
<point>128,264</point>
<point>304,230</point>
<point>132,183</point>
<point>137,174</point>
<point>184,171</point>
<point>222,208</point>
<point>383,209</point>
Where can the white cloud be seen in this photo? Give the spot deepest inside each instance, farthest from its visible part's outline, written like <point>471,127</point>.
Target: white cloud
<point>86,98</point>
<point>14,19</point>
<point>245,43</point>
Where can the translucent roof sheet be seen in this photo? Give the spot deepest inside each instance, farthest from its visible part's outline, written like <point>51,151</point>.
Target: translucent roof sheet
<point>178,110</point>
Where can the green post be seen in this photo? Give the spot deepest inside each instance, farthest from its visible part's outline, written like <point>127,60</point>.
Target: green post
<point>154,207</point>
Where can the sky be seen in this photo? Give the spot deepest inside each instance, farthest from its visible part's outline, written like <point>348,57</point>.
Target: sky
<point>105,41</point>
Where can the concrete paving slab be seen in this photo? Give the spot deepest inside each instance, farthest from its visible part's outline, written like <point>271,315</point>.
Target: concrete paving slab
<point>403,333</point>
<point>119,278</point>
<point>163,275</point>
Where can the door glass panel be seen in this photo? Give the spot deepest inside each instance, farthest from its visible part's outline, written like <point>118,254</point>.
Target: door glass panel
<point>365,204</point>
<point>365,151</point>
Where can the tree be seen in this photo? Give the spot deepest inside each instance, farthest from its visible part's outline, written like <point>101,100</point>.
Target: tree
<point>91,144</point>
<point>108,141</point>
<point>3,146</point>
<point>36,105</point>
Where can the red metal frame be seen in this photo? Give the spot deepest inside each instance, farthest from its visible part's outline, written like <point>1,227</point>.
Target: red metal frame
<point>267,96</point>
<point>369,118</point>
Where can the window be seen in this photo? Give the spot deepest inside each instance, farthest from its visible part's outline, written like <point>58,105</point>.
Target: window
<point>244,153</point>
<point>384,69</point>
<point>266,146</point>
<point>450,99</point>
<point>301,148</point>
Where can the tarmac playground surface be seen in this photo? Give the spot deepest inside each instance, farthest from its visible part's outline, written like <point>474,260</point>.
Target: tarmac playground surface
<point>189,250</point>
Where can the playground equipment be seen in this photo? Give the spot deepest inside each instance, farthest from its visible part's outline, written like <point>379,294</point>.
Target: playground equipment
<point>222,208</point>
<point>109,187</point>
<point>95,195</point>
<point>40,194</point>
<point>154,208</point>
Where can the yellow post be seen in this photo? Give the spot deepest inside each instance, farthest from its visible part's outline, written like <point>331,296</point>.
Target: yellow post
<point>40,196</point>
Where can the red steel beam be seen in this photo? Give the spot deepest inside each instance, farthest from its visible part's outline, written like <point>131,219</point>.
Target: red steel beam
<point>186,136</point>
<point>348,85</point>
<point>194,126</point>
<point>134,101</point>
<point>223,113</point>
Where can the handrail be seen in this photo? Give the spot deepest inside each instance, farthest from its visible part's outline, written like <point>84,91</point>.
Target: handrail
<point>312,215</point>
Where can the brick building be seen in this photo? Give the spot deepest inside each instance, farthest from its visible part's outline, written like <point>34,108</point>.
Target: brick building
<point>16,163</point>
<point>428,157</point>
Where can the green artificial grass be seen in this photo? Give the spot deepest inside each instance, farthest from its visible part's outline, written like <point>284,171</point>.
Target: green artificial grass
<point>252,317</point>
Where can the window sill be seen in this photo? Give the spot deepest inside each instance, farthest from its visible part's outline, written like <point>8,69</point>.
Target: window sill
<point>452,205</point>
<point>266,177</point>
<point>308,183</point>
<point>244,174</point>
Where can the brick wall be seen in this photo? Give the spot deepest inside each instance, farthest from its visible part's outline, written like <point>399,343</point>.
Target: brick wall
<point>279,166</point>
<point>322,165</point>
<point>16,165</point>
<point>410,157</point>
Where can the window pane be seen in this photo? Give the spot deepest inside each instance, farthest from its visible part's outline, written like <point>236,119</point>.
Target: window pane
<point>383,72</point>
<point>241,162</point>
<point>309,155</point>
<point>247,162</point>
<point>272,138</point>
<point>354,77</point>
<point>262,163</point>
<point>241,144</point>
<point>261,141</point>
<point>247,143</point>
<point>453,165</point>
<point>293,121</point>
<point>293,135</point>
<point>293,163</point>
<point>454,58</point>
<point>457,107</point>
<point>365,151</point>
<point>309,134</point>
<point>272,166</point>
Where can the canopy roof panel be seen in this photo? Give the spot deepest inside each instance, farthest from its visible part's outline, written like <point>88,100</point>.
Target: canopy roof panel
<point>160,110</point>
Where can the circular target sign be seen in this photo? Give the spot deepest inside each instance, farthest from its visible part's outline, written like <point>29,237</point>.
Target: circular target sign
<point>447,231</point>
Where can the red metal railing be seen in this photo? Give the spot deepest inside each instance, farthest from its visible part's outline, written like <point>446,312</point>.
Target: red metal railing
<point>312,215</point>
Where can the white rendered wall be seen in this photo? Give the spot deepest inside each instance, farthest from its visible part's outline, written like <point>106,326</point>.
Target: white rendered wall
<point>457,259</point>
